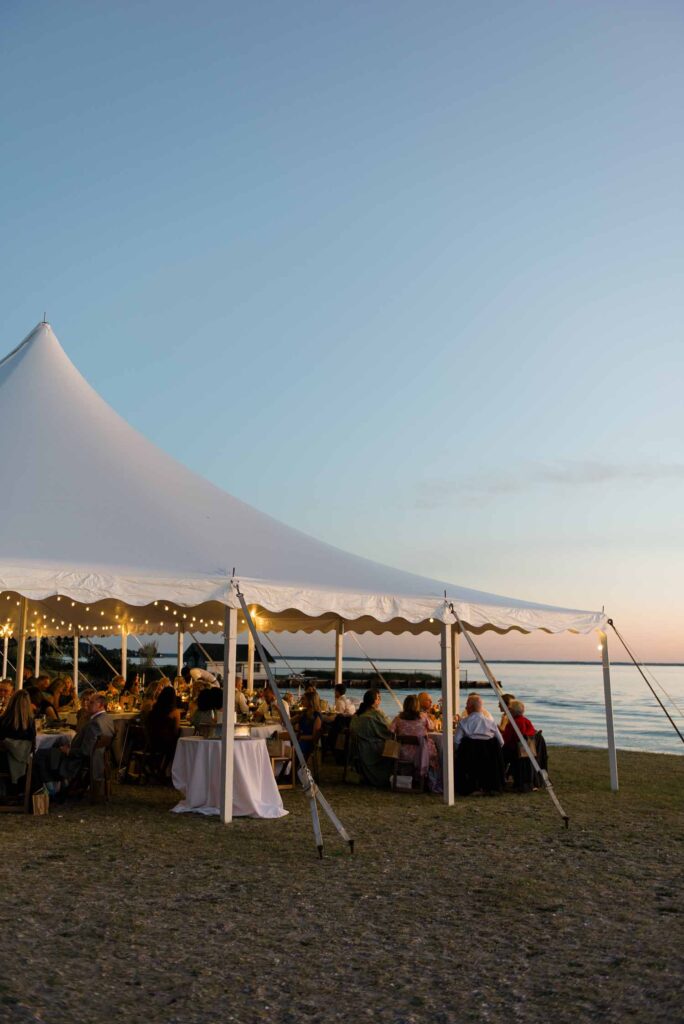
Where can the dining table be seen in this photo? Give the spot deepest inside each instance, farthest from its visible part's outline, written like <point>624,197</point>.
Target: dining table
<point>196,773</point>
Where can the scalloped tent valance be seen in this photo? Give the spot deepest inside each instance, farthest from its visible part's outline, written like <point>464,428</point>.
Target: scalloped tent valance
<point>101,529</point>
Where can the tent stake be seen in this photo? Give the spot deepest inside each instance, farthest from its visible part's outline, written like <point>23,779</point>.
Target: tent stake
<point>304,775</point>
<point>499,692</point>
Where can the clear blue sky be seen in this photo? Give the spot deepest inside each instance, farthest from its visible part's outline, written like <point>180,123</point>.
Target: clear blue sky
<point>407,276</point>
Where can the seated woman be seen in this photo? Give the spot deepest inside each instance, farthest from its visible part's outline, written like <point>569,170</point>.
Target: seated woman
<point>517,760</point>
<point>163,728</point>
<point>369,730</point>
<point>43,707</point>
<point>152,691</point>
<point>17,737</point>
<point>57,689</point>
<point>130,695</point>
<point>309,723</point>
<point>410,722</point>
<point>206,707</point>
<point>68,701</point>
<point>506,699</point>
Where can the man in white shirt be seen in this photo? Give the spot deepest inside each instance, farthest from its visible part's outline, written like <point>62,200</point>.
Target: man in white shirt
<point>241,705</point>
<point>343,705</point>
<point>476,725</point>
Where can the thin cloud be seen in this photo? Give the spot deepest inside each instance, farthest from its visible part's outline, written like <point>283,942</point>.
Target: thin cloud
<point>561,474</point>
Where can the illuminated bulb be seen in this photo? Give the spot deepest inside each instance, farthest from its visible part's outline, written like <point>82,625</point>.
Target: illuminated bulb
<point>600,647</point>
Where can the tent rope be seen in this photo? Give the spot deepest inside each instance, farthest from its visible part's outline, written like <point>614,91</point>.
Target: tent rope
<point>296,675</point>
<point>306,779</point>
<point>101,655</point>
<point>499,692</point>
<point>376,670</point>
<point>643,676</point>
<point>201,647</point>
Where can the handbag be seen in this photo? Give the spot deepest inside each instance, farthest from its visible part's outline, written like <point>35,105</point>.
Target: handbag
<point>531,743</point>
<point>391,749</point>
<point>41,801</point>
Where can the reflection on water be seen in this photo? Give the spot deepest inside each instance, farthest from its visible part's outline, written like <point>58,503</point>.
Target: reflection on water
<point>566,701</point>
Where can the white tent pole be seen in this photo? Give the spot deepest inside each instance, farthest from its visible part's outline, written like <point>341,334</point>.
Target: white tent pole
<point>608,698</point>
<point>180,650</point>
<point>76,664</point>
<point>250,663</point>
<point>447,715</point>
<point>124,651</point>
<point>339,650</point>
<point>36,667</point>
<point>456,668</point>
<point>228,723</point>
<point>21,643</point>
<point>5,656</point>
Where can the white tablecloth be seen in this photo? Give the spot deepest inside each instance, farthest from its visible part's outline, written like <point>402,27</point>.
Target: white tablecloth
<point>45,740</point>
<point>196,772</point>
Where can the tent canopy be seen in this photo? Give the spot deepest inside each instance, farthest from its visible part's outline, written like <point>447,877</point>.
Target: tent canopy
<point>101,529</point>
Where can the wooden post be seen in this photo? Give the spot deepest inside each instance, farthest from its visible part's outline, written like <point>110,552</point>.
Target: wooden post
<point>250,663</point>
<point>180,650</point>
<point>228,727</point>
<point>339,651</point>
<point>124,651</point>
<point>36,660</point>
<point>21,643</point>
<point>5,656</point>
<point>76,664</point>
<point>447,715</point>
<point>608,698</point>
<point>456,668</point>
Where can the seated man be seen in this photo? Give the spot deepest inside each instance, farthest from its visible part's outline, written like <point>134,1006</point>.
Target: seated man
<point>100,724</point>
<point>241,705</point>
<point>267,706</point>
<point>478,743</point>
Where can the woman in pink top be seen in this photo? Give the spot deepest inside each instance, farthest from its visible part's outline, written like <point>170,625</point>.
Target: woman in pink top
<point>410,722</point>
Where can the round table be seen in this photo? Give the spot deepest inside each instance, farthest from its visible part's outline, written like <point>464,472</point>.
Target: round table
<point>196,772</point>
<point>45,740</point>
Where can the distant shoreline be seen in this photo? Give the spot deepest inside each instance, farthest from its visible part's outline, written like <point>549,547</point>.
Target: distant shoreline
<point>471,661</point>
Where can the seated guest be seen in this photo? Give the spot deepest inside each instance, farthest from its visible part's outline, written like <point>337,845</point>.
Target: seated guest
<point>17,736</point>
<point>475,724</point>
<point>309,723</point>
<point>410,722</point>
<point>241,705</point>
<point>68,701</point>
<point>209,706</point>
<point>369,731</point>
<point>163,727</point>
<point>6,691</point>
<point>42,704</point>
<point>267,706</point>
<point>483,709</point>
<point>478,743</point>
<point>150,694</point>
<point>98,725</point>
<point>343,705</point>
<point>116,687</point>
<point>130,695</point>
<point>517,760</point>
<point>58,688</point>
<point>506,699</point>
<point>426,706</point>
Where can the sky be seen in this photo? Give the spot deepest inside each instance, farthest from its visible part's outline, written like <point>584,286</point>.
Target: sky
<point>405,276</point>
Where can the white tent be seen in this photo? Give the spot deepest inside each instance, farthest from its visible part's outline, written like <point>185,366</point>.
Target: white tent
<point>102,533</point>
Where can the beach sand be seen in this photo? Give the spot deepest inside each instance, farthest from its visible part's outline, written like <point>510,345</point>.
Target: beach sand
<point>489,911</point>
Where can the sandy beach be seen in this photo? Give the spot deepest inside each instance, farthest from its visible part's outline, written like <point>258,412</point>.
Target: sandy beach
<point>489,911</point>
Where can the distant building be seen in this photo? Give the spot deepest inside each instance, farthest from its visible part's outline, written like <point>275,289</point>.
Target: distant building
<point>195,657</point>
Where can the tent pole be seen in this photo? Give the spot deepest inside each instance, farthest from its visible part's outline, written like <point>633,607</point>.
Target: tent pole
<point>76,664</point>
<point>608,698</point>
<point>456,668</point>
<point>180,640</point>
<point>5,656</point>
<point>228,717</point>
<point>447,715</point>
<point>124,651</point>
<point>250,663</point>
<point>339,650</point>
<point>21,645</point>
<point>36,660</point>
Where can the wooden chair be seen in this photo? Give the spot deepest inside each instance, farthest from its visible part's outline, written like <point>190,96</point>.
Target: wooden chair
<point>401,761</point>
<point>137,766</point>
<point>282,760</point>
<point>101,789</point>
<point>19,803</point>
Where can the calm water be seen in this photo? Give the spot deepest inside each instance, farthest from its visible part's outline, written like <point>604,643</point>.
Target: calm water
<point>566,701</point>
